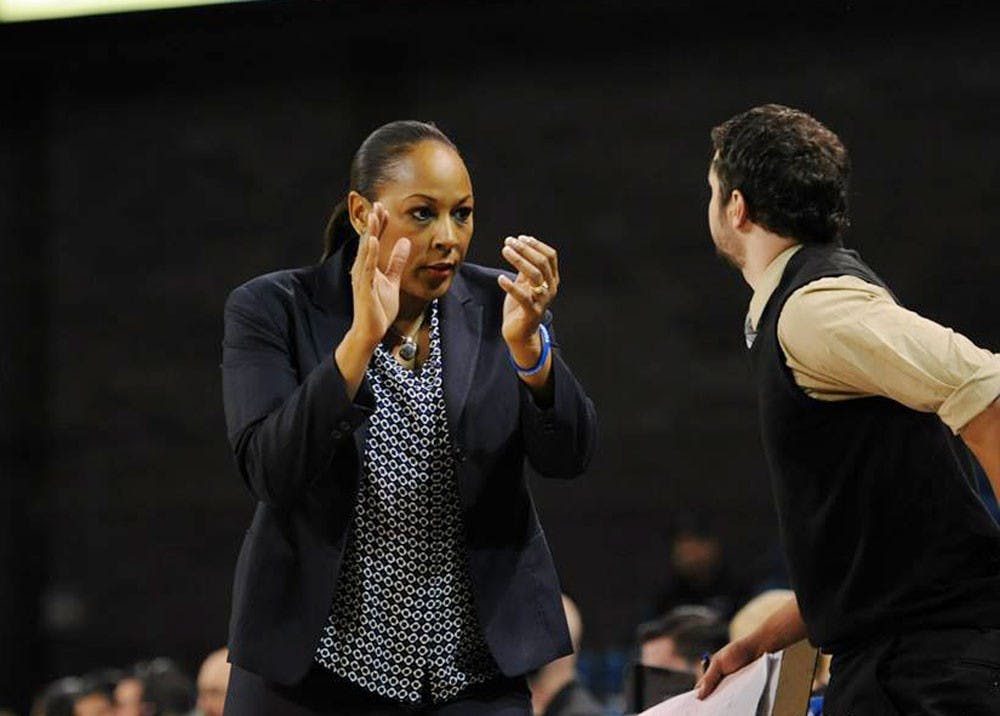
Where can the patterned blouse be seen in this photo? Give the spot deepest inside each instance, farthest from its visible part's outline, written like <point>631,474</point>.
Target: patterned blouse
<point>403,623</point>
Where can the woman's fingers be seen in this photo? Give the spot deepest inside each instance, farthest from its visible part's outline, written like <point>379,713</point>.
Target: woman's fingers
<point>520,293</point>
<point>381,219</point>
<point>363,272</point>
<point>550,254</point>
<point>536,265</point>
<point>397,260</point>
<point>524,266</point>
<point>358,267</point>
<point>371,261</point>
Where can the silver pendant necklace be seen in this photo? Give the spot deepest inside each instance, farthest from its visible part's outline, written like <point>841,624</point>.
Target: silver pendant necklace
<point>408,347</point>
<point>408,351</point>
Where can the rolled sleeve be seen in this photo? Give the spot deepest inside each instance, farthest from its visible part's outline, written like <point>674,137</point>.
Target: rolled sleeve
<point>844,338</point>
<point>972,397</point>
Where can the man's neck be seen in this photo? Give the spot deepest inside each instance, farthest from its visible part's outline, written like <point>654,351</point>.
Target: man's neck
<point>762,247</point>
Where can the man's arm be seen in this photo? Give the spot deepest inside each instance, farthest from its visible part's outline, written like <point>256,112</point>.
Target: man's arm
<point>982,435</point>
<point>782,629</point>
<point>844,338</point>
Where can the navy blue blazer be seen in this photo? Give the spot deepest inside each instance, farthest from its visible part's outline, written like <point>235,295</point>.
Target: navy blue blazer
<point>298,442</point>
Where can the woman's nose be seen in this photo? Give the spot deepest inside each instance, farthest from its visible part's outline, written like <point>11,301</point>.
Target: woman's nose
<point>446,237</point>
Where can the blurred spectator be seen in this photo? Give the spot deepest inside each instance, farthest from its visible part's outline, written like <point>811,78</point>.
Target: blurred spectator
<point>554,688</point>
<point>213,678</point>
<point>106,680</point>
<point>697,572</point>
<point>155,688</point>
<point>692,642</point>
<point>677,640</point>
<point>73,696</point>
<point>670,654</point>
<point>128,697</point>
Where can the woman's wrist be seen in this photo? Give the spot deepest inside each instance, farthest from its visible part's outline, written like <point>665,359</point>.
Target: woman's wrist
<point>532,359</point>
<point>352,355</point>
<point>362,342</point>
<point>526,352</point>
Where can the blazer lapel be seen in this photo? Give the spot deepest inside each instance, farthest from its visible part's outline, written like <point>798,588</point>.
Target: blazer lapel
<point>462,333</point>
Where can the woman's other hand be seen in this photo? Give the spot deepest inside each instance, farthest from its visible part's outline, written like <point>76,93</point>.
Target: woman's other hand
<point>528,296</point>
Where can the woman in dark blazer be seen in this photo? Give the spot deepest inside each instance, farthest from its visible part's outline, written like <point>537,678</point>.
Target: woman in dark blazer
<point>380,407</point>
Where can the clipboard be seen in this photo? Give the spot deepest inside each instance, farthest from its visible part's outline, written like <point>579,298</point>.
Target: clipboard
<point>774,685</point>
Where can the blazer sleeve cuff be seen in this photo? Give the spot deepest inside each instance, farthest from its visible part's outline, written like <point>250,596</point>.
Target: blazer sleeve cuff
<point>350,414</point>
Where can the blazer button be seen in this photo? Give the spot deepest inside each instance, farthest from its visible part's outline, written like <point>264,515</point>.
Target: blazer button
<point>459,455</point>
<point>337,435</point>
<point>344,425</point>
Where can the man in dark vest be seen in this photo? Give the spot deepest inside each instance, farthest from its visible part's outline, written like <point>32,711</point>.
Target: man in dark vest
<point>894,561</point>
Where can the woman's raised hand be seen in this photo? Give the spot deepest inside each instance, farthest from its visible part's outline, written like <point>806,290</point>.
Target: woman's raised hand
<point>528,296</point>
<point>376,294</point>
<point>376,300</point>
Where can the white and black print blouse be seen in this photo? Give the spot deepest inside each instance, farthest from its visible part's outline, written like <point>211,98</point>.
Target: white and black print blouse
<point>403,623</point>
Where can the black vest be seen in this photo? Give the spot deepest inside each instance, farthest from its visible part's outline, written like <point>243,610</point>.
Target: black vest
<point>882,529</point>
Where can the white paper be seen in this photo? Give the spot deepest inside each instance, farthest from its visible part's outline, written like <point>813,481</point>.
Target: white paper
<point>739,694</point>
<point>773,670</point>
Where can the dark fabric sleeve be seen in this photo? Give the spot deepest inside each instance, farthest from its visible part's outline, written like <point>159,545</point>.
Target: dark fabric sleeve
<point>284,434</point>
<point>559,439</point>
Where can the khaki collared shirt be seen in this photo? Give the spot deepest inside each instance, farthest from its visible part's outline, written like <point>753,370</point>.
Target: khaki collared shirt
<point>845,338</point>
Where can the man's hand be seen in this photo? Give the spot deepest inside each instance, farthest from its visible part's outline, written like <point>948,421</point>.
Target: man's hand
<point>731,658</point>
<point>783,628</point>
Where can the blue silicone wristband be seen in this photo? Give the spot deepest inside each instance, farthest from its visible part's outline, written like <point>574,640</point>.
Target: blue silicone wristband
<point>546,348</point>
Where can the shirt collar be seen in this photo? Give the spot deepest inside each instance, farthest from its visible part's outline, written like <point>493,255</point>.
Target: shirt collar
<point>769,281</point>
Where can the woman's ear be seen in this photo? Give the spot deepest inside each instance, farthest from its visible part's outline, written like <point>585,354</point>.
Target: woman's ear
<point>357,211</point>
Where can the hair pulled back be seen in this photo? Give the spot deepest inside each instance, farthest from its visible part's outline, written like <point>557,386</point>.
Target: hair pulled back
<point>371,166</point>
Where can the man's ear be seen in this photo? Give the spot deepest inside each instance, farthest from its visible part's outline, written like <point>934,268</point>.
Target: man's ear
<point>737,211</point>
<point>357,210</point>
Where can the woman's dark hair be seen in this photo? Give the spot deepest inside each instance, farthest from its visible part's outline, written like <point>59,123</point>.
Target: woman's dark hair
<point>371,166</point>
<point>792,171</point>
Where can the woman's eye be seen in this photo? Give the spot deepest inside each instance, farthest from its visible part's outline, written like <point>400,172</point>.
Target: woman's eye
<point>463,213</point>
<point>422,213</point>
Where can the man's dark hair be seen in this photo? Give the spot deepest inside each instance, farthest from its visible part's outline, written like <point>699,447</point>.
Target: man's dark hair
<point>792,171</point>
<point>693,640</point>
<point>676,619</point>
<point>166,689</point>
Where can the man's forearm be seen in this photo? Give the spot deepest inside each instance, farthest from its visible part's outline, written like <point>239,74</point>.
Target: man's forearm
<point>982,435</point>
<point>782,629</point>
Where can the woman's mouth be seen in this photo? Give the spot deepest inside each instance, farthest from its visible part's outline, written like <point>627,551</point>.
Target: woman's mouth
<point>440,270</point>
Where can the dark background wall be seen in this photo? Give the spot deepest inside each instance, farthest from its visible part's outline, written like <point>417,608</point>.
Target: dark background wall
<point>150,163</point>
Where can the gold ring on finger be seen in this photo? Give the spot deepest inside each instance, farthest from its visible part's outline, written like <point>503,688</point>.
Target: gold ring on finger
<point>541,289</point>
